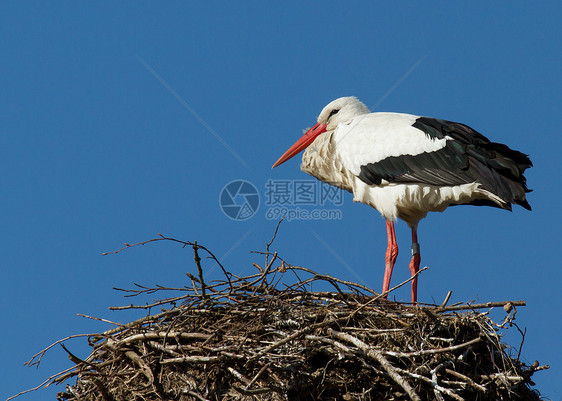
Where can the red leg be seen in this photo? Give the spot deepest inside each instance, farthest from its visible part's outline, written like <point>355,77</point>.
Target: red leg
<point>391,254</point>
<point>415,264</point>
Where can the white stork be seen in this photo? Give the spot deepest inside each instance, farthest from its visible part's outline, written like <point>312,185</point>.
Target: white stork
<point>405,166</point>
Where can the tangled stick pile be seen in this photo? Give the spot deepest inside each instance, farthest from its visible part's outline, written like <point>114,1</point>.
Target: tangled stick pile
<point>269,336</point>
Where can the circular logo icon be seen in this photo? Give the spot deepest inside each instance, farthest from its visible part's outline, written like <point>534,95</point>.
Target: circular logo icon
<point>239,200</point>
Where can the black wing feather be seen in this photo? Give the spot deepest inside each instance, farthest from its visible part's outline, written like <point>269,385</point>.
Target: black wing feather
<point>468,157</point>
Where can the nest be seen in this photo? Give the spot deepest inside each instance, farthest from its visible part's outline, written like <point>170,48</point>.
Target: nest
<point>269,336</point>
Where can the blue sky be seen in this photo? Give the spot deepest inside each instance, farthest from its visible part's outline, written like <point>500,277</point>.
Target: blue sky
<point>119,122</point>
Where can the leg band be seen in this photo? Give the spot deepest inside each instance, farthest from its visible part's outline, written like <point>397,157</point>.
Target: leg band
<point>415,248</point>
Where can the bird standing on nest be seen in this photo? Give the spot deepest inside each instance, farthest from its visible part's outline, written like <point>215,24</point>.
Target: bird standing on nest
<point>406,166</point>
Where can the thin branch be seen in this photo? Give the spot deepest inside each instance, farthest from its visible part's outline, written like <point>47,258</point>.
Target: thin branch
<point>99,319</point>
<point>199,270</point>
<point>45,384</point>
<point>433,383</point>
<point>433,350</point>
<point>36,359</point>
<point>478,306</point>
<point>466,379</point>
<point>163,334</point>
<point>149,306</point>
<point>377,356</point>
<point>184,243</point>
<point>271,241</point>
<point>446,300</point>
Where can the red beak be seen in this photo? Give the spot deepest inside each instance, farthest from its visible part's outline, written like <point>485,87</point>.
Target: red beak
<point>302,143</point>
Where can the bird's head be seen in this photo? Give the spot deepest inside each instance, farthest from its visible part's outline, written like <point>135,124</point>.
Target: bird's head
<point>341,110</point>
<point>337,111</point>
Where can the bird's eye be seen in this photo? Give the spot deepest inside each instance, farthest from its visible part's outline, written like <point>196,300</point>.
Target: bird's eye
<point>335,111</point>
